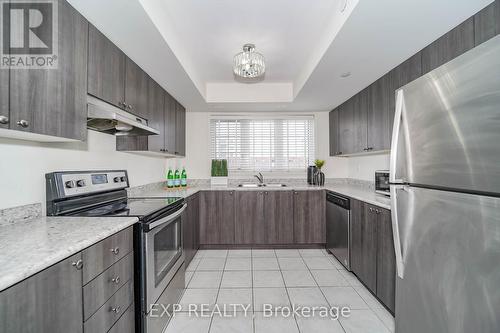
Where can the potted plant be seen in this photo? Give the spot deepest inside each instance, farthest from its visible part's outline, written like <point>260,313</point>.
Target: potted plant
<point>219,173</point>
<point>319,176</point>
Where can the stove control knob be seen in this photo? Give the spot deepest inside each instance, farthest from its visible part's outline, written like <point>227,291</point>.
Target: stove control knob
<point>70,184</point>
<point>116,179</point>
<point>122,179</point>
<point>80,183</point>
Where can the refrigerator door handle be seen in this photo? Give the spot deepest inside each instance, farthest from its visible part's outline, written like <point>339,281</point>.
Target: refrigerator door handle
<point>395,138</point>
<point>395,232</point>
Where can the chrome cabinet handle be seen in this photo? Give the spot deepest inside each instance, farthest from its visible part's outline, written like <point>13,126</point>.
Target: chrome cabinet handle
<point>116,280</point>
<point>116,250</point>
<point>23,123</point>
<point>4,120</point>
<point>116,309</point>
<point>78,264</point>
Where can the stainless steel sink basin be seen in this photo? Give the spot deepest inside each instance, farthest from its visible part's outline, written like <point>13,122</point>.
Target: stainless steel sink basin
<point>274,185</point>
<point>250,185</point>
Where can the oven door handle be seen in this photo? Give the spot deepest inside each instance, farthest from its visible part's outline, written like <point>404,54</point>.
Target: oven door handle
<point>167,219</point>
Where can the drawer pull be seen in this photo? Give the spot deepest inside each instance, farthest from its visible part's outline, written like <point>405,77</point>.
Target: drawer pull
<point>116,280</point>
<point>78,264</point>
<point>116,250</point>
<point>116,309</point>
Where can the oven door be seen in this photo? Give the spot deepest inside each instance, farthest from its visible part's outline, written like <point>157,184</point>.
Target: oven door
<point>163,253</point>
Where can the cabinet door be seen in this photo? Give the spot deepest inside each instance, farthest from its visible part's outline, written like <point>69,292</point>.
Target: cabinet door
<point>361,106</point>
<point>386,259</point>
<point>4,98</point>
<point>187,233</point>
<point>379,134</point>
<point>106,69</point>
<point>249,216</point>
<point>180,130</point>
<point>334,132</point>
<point>487,23</point>
<point>170,113</point>
<point>136,89</point>
<point>309,217</point>
<point>195,209</point>
<point>209,224</point>
<point>50,301</point>
<point>346,127</point>
<point>364,243</point>
<point>225,216</point>
<point>54,101</point>
<point>449,46</point>
<point>278,218</point>
<point>156,117</point>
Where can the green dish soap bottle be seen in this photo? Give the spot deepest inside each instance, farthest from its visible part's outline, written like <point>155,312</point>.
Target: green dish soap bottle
<point>170,178</point>
<point>177,178</point>
<point>183,177</point>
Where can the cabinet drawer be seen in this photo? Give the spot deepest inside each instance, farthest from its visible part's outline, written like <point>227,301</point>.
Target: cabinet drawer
<point>111,311</point>
<point>105,285</point>
<point>102,255</point>
<point>126,323</point>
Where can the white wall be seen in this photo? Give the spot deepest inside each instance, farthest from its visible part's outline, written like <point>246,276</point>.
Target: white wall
<point>23,165</point>
<point>197,162</point>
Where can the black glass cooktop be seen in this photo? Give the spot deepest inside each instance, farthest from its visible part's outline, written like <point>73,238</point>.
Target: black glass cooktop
<point>138,207</point>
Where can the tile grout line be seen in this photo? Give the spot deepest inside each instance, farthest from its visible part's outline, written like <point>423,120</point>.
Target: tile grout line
<point>218,290</point>
<point>288,295</point>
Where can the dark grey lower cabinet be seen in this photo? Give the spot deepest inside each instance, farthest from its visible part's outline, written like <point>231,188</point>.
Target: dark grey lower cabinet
<point>364,243</point>
<point>249,226</point>
<point>278,218</point>
<point>386,260</point>
<point>217,217</point>
<point>309,217</point>
<point>48,302</point>
<point>190,228</point>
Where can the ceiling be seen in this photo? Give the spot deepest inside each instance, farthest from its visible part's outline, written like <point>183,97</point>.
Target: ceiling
<point>187,46</point>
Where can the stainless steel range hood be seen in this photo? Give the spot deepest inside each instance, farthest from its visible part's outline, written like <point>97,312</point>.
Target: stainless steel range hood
<point>106,118</point>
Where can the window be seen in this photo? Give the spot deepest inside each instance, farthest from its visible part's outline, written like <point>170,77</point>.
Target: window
<point>263,144</point>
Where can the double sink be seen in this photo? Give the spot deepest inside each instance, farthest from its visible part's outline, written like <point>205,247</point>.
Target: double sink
<point>254,185</point>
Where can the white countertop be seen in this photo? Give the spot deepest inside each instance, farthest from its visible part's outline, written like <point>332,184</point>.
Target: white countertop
<point>28,247</point>
<point>353,191</point>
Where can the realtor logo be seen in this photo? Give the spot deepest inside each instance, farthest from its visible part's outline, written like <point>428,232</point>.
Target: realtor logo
<point>29,34</point>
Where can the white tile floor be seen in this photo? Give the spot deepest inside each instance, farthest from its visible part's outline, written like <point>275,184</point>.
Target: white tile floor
<point>308,277</point>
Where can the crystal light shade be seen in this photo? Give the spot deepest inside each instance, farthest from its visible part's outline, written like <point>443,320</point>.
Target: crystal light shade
<point>249,64</point>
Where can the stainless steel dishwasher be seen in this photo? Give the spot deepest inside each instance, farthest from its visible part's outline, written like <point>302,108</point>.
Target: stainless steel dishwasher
<point>338,223</point>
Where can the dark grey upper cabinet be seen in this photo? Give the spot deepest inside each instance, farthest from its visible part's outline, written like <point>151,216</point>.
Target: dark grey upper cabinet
<point>249,219</point>
<point>136,89</point>
<point>170,124</point>
<point>156,116</point>
<point>379,114</point>
<point>346,128</point>
<point>106,69</point>
<point>4,98</point>
<point>180,130</point>
<point>449,46</point>
<point>333,118</point>
<point>361,106</point>
<point>53,101</point>
<point>364,243</point>
<point>50,301</point>
<point>487,23</point>
<point>309,217</point>
<point>386,259</point>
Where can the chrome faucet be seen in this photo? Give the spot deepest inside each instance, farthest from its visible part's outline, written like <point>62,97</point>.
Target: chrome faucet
<point>260,178</point>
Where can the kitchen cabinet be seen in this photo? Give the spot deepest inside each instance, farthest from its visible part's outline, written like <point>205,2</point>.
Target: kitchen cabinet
<point>137,83</point>
<point>361,104</point>
<point>50,301</point>
<point>451,45</point>
<point>106,69</point>
<point>364,243</point>
<point>180,130</point>
<point>309,217</point>
<point>4,98</point>
<point>386,259</point>
<point>217,218</point>
<point>249,225</point>
<point>379,113</point>
<point>170,123</point>
<point>53,101</point>
<point>278,219</point>
<point>190,228</point>
<point>487,23</point>
<point>346,128</point>
<point>333,120</point>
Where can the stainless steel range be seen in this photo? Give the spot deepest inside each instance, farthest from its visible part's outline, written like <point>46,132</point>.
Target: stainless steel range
<point>159,259</point>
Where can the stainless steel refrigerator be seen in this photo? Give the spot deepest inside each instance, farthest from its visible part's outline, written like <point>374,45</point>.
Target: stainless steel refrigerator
<point>445,192</point>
